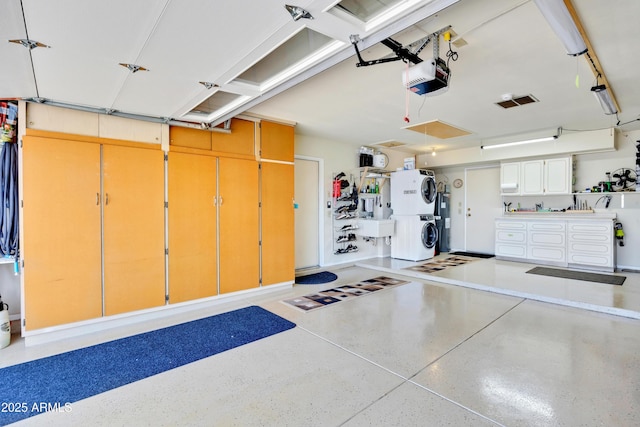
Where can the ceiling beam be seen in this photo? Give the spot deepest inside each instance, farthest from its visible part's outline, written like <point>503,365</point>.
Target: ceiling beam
<point>590,56</point>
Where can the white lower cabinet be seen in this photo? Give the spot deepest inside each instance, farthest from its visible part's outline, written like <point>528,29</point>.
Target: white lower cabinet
<point>579,243</point>
<point>547,241</point>
<point>511,239</point>
<point>591,245</point>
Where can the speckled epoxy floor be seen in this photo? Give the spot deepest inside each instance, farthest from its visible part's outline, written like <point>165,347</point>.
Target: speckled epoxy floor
<point>423,353</point>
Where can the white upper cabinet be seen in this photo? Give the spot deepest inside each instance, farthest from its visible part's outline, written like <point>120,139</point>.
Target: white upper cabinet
<point>510,178</point>
<point>537,177</point>
<point>533,177</point>
<point>558,176</point>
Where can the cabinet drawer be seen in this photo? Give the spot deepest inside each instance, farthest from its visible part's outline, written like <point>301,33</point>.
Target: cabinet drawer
<point>591,260</point>
<point>542,238</point>
<point>513,251</point>
<point>511,225</point>
<point>511,236</point>
<point>593,238</point>
<point>586,247</point>
<point>548,226</point>
<point>590,227</point>
<point>546,253</point>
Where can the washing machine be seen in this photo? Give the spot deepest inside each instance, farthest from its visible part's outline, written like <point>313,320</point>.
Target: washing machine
<point>415,237</point>
<point>413,192</point>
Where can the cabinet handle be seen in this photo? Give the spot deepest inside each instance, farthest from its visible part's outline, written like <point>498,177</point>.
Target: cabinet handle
<point>215,200</point>
<point>106,198</point>
<point>97,199</point>
<point>220,200</point>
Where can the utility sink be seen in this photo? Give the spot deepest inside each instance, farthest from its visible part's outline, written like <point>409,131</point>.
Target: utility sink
<point>375,227</point>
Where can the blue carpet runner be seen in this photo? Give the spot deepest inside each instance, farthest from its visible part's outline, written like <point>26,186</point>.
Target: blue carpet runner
<point>55,382</point>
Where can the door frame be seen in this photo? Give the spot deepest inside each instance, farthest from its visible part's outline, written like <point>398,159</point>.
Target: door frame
<point>320,230</point>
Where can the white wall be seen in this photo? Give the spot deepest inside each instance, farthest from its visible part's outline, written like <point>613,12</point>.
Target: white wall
<point>590,169</point>
<point>340,157</point>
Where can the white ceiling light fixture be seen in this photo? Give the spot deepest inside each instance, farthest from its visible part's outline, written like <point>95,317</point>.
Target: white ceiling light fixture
<point>433,151</point>
<point>562,23</point>
<point>604,99</point>
<point>307,62</point>
<point>523,142</point>
<point>297,12</point>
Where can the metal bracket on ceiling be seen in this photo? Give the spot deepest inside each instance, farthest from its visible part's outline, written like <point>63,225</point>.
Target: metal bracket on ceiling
<point>406,54</point>
<point>209,85</point>
<point>29,44</point>
<point>133,67</point>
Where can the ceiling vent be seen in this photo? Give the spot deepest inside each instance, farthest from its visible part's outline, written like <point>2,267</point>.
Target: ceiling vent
<point>509,102</point>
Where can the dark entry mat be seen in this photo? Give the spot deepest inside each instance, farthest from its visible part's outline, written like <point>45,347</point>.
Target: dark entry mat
<point>316,278</point>
<point>608,279</point>
<point>472,254</point>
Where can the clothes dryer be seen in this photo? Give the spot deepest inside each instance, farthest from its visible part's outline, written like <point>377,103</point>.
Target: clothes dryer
<point>413,192</point>
<point>415,237</point>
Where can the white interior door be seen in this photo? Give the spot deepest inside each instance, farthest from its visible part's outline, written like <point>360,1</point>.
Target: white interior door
<point>483,205</point>
<point>307,215</point>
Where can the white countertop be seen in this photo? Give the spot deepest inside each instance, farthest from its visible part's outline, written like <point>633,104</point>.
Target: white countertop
<point>568,215</point>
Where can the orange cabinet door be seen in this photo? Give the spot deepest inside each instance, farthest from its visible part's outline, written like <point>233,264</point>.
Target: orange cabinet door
<point>276,141</point>
<point>278,228</point>
<point>192,227</point>
<point>239,226</point>
<point>133,224</point>
<point>61,244</point>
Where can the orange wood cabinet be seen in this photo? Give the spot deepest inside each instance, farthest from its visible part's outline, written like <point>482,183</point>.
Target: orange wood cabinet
<point>133,180</point>
<point>77,233</point>
<point>192,227</point>
<point>239,142</point>
<point>277,223</point>
<point>276,141</point>
<point>61,244</point>
<point>239,224</point>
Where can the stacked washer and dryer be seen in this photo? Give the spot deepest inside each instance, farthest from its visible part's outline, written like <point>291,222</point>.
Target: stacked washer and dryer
<point>413,201</point>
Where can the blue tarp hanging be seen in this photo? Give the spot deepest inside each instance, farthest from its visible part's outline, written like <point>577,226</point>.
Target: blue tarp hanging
<point>9,215</point>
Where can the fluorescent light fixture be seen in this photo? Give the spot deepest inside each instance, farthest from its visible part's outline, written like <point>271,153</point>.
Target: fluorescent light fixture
<point>391,13</point>
<point>561,22</point>
<point>603,96</point>
<point>300,66</point>
<point>527,141</point>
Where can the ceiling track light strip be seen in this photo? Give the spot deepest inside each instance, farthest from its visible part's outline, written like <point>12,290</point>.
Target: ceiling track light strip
<point>523,142</point>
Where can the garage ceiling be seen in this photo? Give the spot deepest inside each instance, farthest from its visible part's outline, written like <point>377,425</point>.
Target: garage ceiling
<point>206,61</point>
